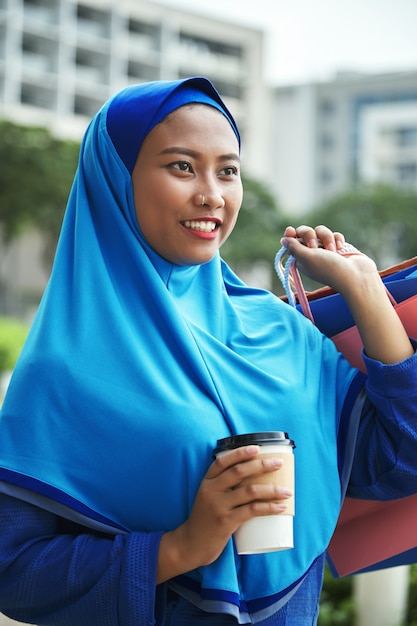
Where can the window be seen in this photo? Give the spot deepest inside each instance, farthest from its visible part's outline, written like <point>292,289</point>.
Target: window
<point>326,141</point>
<point>92,67</point>
<point>407,174</point>
<point>93,21</point>
<point>37,96</point>
<point>326,176</point>
<point>407,136</point>
<point>327,107</point>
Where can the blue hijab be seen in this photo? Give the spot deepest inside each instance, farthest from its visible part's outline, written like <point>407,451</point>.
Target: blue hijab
<point>134,367</point>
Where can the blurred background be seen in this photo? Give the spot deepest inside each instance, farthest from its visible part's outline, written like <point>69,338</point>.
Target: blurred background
<point>325,95</point>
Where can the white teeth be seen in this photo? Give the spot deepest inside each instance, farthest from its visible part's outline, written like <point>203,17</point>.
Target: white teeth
<point>206,227</point>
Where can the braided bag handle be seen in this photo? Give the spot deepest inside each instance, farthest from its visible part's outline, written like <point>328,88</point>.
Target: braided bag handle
<point>290,278</point>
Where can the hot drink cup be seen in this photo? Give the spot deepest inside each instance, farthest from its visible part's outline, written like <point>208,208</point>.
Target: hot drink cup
<point>272,532</point>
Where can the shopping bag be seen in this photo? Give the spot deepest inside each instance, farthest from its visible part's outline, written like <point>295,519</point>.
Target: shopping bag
<point>370,534</point>
<point>329,310</point>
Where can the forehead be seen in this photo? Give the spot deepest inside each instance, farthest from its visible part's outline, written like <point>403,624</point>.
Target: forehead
<point>195,123</point>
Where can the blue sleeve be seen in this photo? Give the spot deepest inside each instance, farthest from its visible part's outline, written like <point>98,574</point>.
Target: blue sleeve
<point>385,461</point>
<point>55,572</point>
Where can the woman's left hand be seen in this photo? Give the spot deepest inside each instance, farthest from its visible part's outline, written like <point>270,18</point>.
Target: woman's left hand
<point>313,248</point>
<point>356,277</point>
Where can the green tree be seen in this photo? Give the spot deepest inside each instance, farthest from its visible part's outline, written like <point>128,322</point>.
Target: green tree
<point>21,176</point>
<point>13,333</point>
<point>259,226</point>
<point>379,220</point>
<point>256,236</point>
<point>60,161</point>
<point>336,601</point>
<point>411,617</point>
<point>35,177</point>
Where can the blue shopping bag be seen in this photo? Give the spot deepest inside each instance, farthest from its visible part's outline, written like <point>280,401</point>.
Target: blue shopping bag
<point>370,534</point>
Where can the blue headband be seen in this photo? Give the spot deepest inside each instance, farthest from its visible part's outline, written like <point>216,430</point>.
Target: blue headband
<point>136,110</point>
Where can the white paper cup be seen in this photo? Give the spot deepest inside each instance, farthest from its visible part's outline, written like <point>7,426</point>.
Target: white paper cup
<point>272,532</point>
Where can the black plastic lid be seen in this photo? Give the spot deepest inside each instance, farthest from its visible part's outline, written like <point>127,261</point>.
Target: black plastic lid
<point>261,439</point>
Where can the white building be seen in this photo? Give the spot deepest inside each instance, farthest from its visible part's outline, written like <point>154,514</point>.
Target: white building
<point>328,136</point>
<point>60,60</point>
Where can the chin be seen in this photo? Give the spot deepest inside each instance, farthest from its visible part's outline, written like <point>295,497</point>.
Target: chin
<point>192,261</point>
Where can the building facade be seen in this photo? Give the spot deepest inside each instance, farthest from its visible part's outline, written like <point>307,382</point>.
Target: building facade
<point>60,60</point>
<point>329,136</point>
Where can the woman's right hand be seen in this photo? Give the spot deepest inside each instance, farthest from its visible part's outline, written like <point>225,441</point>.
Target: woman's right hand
<point>223,502</point>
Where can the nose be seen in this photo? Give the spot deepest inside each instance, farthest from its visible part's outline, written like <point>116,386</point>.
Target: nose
<point>209,196</point>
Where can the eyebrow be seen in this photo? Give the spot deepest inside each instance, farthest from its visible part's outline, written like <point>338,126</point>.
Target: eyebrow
<point>193,154</point>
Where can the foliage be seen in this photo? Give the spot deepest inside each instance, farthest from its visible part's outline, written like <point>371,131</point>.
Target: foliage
<point>411,617</point>
<point>37,172</point>
<point>337,604</point>
<point>377,219</point>
<point>336,601</point>
<point>35,177</point>
<point>256,236</point>
<point>12,337</point>
<point>258,229</point>
<point>21,175</point>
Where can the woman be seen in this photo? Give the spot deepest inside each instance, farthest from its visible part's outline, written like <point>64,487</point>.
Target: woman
<point>145,350</point>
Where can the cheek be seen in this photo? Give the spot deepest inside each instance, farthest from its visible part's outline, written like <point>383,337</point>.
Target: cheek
<point>164,199</point>
<point>150,202</point>
<point>238,193</point>
<point>236,203</point>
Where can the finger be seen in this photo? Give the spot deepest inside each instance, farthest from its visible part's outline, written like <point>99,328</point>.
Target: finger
<point>261,509</point>
<point>326,237</point>
<point>290,232</point>
<point>235,475</point>
<point>256,492</point>
<point>263,504</point>
<point>307,235</point>
<point>231,458</point>
<point>339,239</point>
<point>319,237</point>
<point>240,505</point>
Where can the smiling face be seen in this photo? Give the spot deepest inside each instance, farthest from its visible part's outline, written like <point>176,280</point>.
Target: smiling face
<point>191,156</point>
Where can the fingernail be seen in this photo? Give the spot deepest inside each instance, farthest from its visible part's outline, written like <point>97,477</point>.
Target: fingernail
<point>276,462</point>
<point>252,450</point>
<point>280,507</point>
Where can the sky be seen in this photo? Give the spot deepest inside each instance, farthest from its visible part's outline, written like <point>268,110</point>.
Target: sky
<point>311,40</point>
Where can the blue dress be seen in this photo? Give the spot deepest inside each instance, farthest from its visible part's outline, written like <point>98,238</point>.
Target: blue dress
<point>55,572</point>
<point>133,369</point>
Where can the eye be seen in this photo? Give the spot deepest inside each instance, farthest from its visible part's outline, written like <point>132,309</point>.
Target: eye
<point>182,166</point>
<point>230,170</point>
